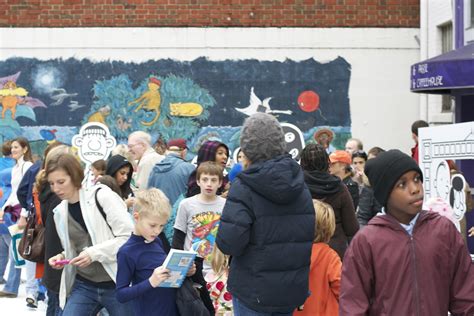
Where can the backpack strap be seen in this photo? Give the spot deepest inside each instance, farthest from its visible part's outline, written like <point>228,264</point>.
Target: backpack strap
<point>101,210</point>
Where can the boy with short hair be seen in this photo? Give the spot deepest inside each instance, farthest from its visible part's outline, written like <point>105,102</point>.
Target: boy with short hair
<point>414,134</point>
<point>139,260</point>
<point>407,261</point>
<point>198,220</point>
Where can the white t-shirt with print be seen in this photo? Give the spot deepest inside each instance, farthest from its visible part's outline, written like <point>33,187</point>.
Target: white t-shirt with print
<point>199,220</point>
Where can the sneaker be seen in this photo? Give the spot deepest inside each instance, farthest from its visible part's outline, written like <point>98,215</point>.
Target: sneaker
<point>31,302</point>
<point>41,297</point>
<point>8,294</point>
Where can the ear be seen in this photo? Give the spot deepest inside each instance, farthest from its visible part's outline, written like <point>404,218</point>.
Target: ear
<point>136,216</point>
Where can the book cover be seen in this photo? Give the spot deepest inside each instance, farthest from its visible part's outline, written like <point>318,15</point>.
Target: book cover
<point>178,262</point>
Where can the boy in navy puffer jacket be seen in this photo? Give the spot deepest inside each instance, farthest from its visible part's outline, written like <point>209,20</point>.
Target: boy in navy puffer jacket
<point>267,225</point>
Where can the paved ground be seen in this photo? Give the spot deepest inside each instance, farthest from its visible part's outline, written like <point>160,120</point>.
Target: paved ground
<point>17,306</point>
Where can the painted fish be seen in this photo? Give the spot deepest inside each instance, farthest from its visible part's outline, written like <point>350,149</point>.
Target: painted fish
<point>48,134</point>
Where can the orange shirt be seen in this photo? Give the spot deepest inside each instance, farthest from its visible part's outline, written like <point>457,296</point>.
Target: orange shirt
<point>324,282</point>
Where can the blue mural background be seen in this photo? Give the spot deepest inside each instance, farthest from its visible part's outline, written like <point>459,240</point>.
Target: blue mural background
<point>73,90</point>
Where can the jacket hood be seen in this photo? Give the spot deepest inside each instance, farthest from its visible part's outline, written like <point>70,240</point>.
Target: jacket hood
<point>170,161</point>
<point>114,164</point>
<point>321,184</point>
<point>279,180</point>
<point>389,221</point>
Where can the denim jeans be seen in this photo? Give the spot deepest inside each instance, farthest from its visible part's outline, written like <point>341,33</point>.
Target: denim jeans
<point>14,275</point>
<point>5,240</point>
<point>88,300</point>
<point>53,304</point>
<point>31,282</point>
<point>241,310</point>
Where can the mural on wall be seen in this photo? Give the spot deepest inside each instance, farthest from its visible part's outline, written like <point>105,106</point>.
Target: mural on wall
<point>198,100</point>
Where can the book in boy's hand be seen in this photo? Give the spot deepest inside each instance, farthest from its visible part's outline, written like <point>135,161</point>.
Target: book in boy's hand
<point>178,262</point>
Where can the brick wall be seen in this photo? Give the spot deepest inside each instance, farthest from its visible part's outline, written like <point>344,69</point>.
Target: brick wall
<point>212,13</point>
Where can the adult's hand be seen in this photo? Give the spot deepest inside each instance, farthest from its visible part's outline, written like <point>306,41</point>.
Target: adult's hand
<point>52,262</point>
<point>82,260</point>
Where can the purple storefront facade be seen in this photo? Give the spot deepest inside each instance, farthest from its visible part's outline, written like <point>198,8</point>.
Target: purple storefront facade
<point>451,73</point>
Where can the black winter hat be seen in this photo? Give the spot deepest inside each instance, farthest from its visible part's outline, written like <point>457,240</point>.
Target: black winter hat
<point>385,170</point>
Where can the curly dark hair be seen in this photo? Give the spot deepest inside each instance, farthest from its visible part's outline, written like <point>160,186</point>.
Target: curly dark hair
<point>315,157</point>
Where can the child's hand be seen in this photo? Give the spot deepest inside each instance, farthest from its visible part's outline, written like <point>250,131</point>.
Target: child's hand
<point>52,262</point>
<point>159,275</point>
<point>191,270</point>
<point>471,231</point>
<point>82,260</point>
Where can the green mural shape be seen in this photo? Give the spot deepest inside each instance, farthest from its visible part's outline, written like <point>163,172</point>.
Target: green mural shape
<point>147,107</point>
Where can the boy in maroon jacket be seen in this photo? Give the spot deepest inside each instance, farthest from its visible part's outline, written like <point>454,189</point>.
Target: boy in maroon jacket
<point>407,261</point>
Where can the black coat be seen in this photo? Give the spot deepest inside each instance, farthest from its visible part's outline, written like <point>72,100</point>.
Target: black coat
<point>267,226</point>
<point>331,190</point>
<point>368,206</point>
<point>48,201</point>
<point>353,188</point>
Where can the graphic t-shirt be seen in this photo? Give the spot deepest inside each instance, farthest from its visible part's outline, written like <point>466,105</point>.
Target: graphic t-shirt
<point>200,221</point>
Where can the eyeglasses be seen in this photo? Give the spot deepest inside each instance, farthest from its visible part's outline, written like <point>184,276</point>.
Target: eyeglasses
<point>130,146</point>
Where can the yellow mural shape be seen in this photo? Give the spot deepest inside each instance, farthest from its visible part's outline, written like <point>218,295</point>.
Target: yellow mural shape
<point>150,100</point>
<point>9,97</point>
<point>185,109</point>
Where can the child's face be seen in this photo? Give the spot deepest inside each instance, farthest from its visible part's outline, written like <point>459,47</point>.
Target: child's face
<point>209,184</point>
<point>221,156</point>
<point>95,172</point>
<point>122,175</point>
<point>406,198</point>
<point>148,226</point>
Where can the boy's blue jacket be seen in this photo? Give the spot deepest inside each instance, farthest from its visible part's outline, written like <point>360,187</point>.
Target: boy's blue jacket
<point>267,226</point>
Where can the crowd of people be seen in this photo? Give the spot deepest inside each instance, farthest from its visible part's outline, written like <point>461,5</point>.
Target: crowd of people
<point>341,232</point>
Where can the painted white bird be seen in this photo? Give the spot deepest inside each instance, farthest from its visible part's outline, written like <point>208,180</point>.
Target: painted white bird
<point>59,95</point>
<point>257,105</point>
<point>74,105</point>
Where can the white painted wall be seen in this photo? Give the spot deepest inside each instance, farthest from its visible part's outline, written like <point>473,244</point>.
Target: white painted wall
<point>434,13</point>
<point>382,105</point>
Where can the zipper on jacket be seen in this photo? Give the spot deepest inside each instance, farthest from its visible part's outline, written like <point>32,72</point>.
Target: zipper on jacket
<point>417,294</point>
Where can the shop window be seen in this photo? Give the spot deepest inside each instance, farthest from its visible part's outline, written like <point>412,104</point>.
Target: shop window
<point>446,46</point>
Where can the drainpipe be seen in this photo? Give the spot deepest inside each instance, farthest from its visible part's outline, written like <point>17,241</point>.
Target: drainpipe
<point>458,24</point>
<point>424,54</point>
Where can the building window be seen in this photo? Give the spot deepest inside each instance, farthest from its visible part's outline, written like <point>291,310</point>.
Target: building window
<point>472,13</point>
<point>446,46</point>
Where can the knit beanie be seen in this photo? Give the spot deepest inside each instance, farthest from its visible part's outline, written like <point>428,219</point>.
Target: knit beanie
<point>385,170</point>
<point>262,138</point>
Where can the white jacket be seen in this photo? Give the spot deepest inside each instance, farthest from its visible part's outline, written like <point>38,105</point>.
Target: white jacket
<point>104,245</point>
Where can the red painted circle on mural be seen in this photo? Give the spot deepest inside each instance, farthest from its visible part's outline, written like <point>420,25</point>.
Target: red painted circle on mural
<point>308,101</point>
